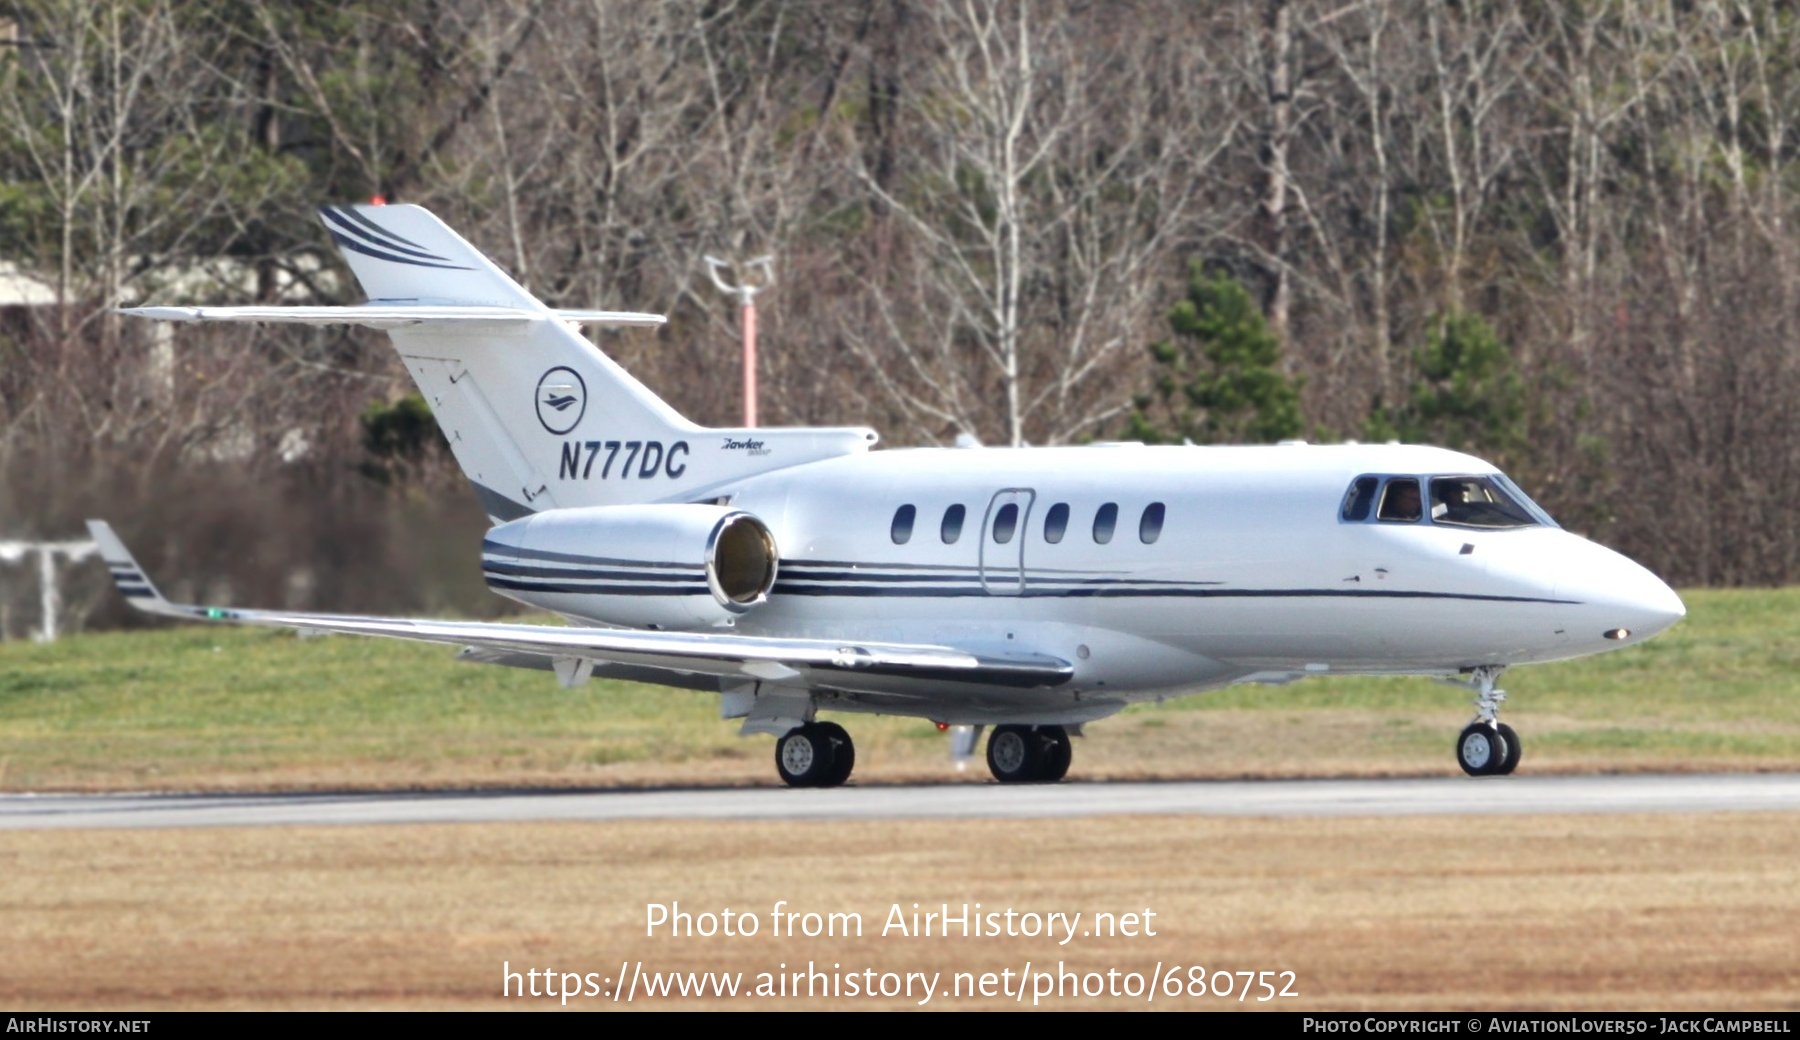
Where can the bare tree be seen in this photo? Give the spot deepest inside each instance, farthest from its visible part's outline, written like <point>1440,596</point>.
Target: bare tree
<point>1038,210</point>
<point>103,116</point>
<point>1347,189</point>
<point>1477,62</point>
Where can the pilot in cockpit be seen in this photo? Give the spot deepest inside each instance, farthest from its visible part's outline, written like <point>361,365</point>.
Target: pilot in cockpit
<point>1401,501</point>
<point>1453,500</point>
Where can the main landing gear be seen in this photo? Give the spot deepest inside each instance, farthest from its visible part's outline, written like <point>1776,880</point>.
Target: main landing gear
<point>1487,746</point>
<point>821,754</point>
<point>1029,754</point>
<point>816,754</point>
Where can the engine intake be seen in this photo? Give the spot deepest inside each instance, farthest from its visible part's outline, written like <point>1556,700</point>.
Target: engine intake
<point>646,566</point>
<point>740,561</point>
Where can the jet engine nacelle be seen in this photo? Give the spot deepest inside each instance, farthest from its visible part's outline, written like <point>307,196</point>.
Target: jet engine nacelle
<point>646,566</point>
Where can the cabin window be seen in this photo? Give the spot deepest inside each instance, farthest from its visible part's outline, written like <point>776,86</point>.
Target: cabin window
<point>1006,521</point>
<point>1475,502</point>
<point>1150,524</point>
<point>901,532</point>
<point>952,526</point>
<point>1104,521</point>
<point>1056,521</point>
<point>1400,502</point>
<point>1360,498</point>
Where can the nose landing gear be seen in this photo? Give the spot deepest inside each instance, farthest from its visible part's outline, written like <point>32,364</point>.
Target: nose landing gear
<point>1487,746</point>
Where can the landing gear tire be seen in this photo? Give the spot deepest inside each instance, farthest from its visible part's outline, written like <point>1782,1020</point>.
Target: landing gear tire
<point>1013,754</point>
<point>817,754</point>
<point>1057,754</point>
<point>1511,761</point>
<point>843,754</point>
<point>1027,754</point>
<point>1481,749</point>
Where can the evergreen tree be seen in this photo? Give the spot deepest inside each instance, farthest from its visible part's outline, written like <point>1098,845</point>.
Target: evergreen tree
<point>1220,377</point>
<point>399,438</point>
<point>1467,394</point>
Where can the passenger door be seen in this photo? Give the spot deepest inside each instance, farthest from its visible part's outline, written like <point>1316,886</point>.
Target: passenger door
<point>1003,542</point>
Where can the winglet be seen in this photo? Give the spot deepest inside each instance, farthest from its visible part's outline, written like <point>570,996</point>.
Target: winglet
<point>133,583</point>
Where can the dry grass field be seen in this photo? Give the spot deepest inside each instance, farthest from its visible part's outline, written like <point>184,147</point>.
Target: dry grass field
<point>1630,912</point>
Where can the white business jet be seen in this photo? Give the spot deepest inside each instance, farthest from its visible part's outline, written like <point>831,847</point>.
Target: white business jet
<point>795,572</point>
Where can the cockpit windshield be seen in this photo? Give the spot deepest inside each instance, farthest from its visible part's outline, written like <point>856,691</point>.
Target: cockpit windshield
<point>1486,500</point>
<point>1476,502</point>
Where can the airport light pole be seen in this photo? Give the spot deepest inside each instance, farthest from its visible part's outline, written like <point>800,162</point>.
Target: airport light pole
<point>750,282</point>
<point>47,552</point>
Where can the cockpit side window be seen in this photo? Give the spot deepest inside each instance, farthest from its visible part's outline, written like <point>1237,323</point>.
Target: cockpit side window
<point>1360,498</point>
<point>1400,501</point>
<point>1476,502</point>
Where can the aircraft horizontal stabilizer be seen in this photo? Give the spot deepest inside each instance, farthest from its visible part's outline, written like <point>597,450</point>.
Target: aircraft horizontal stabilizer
<point>684,653</point>
<point>394,316</point>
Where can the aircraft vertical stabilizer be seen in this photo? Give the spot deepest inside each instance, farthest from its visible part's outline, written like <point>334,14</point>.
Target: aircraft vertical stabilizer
<point>537,416</point>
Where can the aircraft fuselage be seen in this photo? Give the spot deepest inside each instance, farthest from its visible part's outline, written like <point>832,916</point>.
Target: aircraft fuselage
<point>1156,569</point>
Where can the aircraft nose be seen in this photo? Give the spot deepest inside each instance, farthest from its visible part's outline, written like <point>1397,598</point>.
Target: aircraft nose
<point>1617,600</point>
<point>1662,605</point>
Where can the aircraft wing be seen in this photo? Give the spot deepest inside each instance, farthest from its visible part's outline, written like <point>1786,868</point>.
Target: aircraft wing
<point>677,654</point>
<point>393,315</point>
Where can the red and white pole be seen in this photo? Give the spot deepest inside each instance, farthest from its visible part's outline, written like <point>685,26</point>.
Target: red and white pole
<point>749,323</point>
<point>746,291</point>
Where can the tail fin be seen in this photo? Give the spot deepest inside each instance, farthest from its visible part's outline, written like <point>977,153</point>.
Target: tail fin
<point>408,255</point>
<point>536,415</point>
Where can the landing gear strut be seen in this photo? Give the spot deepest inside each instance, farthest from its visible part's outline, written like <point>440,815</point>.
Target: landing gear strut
<point>1029,754</point>
<point>816,754</point>
<point>1487,746</point>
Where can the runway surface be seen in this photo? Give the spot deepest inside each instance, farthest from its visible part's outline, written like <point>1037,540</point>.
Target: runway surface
<point>1283,798</point>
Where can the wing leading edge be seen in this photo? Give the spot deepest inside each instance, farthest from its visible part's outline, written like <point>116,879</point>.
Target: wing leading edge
<point>800,662</point>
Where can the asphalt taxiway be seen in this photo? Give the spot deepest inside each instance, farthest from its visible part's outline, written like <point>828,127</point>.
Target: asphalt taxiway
<point>1446,796</point>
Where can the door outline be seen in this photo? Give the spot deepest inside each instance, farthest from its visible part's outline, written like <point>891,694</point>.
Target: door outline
<point>1003,566</point>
